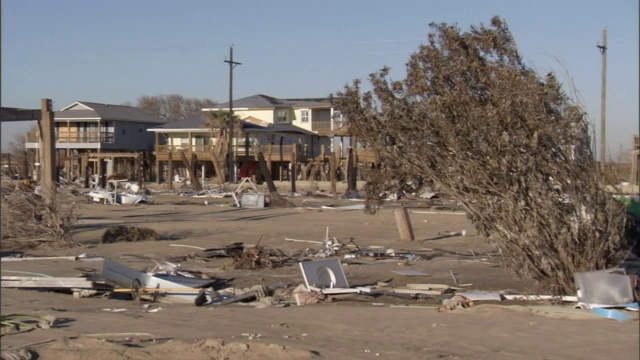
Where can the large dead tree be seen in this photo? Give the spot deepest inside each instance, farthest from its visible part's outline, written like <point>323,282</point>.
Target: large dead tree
<point>507,143</point>
<point>218,122</point>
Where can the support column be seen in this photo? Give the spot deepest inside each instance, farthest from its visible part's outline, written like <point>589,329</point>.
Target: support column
<point>47,151</point>
<point>157,153</point>
<point>170,171</point>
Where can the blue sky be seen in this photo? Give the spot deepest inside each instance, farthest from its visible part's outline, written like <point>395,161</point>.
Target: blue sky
<point>114,51</point>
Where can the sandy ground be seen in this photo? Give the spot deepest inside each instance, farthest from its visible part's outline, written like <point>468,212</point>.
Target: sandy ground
<point>358,327</point>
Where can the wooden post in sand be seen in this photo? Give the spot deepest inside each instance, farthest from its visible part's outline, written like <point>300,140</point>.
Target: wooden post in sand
<point>170,170</point>
<point>332,172</point>
<point>267,174</point>
<point>403,221</point>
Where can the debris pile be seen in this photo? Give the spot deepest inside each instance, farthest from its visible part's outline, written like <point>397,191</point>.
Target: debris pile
<point>123,233</point>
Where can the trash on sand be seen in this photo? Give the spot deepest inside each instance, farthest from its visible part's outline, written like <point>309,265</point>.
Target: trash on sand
<point>21,257</point>
<point>231,250</point>
<point>46,282</point>
<point>346,207</point>
<point>230,296</point>
<point>114,309</point>
<point>613,314</point>
<point>440,287</point>
<point>541,298</point>
<point>148,308</point>
<point>324,274</point>
<point>605,287</point>
<point>23,322</point>
<point>411,272</point>
<point>417,291</point>
<point>168,288</point>
<point>456,302</point>
<point>481,296</point>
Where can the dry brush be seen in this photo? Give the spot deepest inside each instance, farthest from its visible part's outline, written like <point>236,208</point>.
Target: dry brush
<point>505,142</point>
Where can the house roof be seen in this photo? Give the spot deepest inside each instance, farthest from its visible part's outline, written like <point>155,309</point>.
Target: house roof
<point>277,128</point>
<point>193,123</point>
<point>90,110</point>
<point>261,101</point>
<point>249,124</point>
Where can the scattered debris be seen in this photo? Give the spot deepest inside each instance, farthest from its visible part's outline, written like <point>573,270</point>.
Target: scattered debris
<point>168,288</point>
<point>613,314</point>
<point>123,233</point>
<point>324,274</point>
<point>411,272</point>
<point>23,322</point>
<point>604,287</point>
<point>232,250</point>
<point>481,296</point>
<point>455,302</point>
<point>47,282</point>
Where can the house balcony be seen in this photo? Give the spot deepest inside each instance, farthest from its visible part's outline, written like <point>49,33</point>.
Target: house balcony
<point>324,128</point>
<point>76,137</point>
<point>74,140</point>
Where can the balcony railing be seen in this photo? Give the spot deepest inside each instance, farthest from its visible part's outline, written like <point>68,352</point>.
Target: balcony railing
<point>272,152</point>
<point>77,137</point>
<point>327,125</point>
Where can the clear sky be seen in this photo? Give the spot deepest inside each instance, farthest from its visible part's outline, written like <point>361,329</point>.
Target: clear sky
<point>114,51</point>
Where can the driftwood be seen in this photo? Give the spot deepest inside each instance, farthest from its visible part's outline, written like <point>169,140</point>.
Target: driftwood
<point>506,143</point>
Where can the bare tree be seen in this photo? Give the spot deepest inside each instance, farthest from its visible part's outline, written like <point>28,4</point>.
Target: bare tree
<point>218,122</point>
<point>173,106</point>
<point>503,141</point>
<point>19,156</point>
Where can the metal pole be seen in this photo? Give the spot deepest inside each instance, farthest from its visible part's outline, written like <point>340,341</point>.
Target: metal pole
<point>603,108</point>
<point>232,64</point>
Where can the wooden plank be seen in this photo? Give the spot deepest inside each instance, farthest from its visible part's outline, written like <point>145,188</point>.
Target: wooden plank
<point>48,283</point>
<point>38,258</point>
<point>403,221</point>
<point>440,287</point>
<point>415,291</point>
<point>15,114</point>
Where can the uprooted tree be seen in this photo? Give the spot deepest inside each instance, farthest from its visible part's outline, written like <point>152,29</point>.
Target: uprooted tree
<point>508,144</point>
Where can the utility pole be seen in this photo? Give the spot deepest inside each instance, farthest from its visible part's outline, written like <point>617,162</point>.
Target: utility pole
<point>232,64</point>
<point>603,107</point>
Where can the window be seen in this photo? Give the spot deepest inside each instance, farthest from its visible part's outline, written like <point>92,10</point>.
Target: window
<point>281,116</point>
<point>304,116</point>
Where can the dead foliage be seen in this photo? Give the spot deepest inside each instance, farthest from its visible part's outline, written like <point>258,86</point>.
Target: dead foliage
<point>506,143</point>
<point>28,221</point>
<point>123,233</point>
<point>259,257</point>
